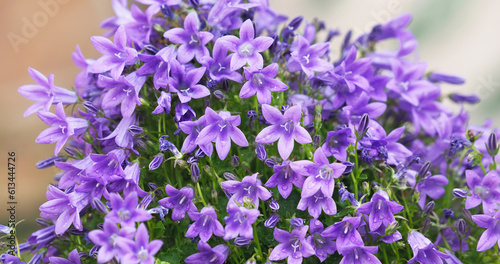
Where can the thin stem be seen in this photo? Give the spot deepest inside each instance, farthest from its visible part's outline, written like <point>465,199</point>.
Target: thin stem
<point>200,194</point>
<point>257,243</point>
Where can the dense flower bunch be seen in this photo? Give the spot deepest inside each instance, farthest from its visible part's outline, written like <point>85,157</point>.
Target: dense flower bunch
<point>342,158</point>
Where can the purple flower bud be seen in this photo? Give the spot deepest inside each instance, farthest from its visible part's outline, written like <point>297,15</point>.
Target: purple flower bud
<point>160,210</point>
<point>284,108</point>
<point>156,162</point>
<point>135,130</point>
<point>260,150</point>
<point>199,153</point>
<point>460,193</point>
<point>297,222</point>
<point>70,150</point>
<point>426,224</point>
<point>440,77</point>
<point>192,160</point>
<point>332,33</point>
<point>270,162</point>
<point>97,204</point>
<point>152,186</point>
<point>144,204</point>
<point>467,215</point>
<point>229,176</point>
<point>48,162</point>
<point>194,3</point>
<point>429,207</point>
<point>240,242</point>
<point>251,114</point>
<point>235,161</point>
<point>461,228</point>
<point>424,169</point>
<point>207,103</point>
<point>77,232</point>
<point>151,49</point>
<point>43,222</point>
<point>447,214</point>
<point>272,221</point>
<point>459,98</point>
<point>93,251</point>
<point>492,145</point>
<point>348,167</point>
<point>37,258</point>
<point>91,108</point>
<point>316,140</point>
<point>195,172</point>
<point>82,255</point>
<point>363,125</point>
<point>219,95</point>
<point>211,84</point>
<point>274,205</point>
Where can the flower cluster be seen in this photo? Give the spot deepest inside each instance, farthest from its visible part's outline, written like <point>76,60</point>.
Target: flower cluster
<point>344,159</point>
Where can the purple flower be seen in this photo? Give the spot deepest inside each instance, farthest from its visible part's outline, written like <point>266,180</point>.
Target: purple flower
<point>285,178</point>
<point>219,67</point>
<point>108,238</point>
<point>316,203</point>
<point>346,234</point>
<point>140,251</point>
<point>423,249</point>
<point>156,5</point>
<point>107,167</point>
<point>452,239</point>
<point>115,56</point>
<point>73,258</point>
<point>122,90</point>
<point>164,104</point>
<point>307,58</point>
<point>125,211</point>
<point>63,209</point>
<point>184,82</point>
<point>431,186</point>
<point>62,128</point>
<point>380,210</point>
<point>485,191</point>
<point>262,82</point>
<point>208,255</point>
<point>239,222</point>
<point>181,201</point>
<point>158,65</point>
<point>193,128</point>
<point>205,224</point>
<point>250,187</point>
<point>336,143</point>
<point>222,13</point>
<point>192,41</point>
<point>293,246</point>
<point>45,93</point>
<point>122,134</point>
<point>361,255</point>
<point>285,127</point>
<point>492,233</point>
<point>323,245</point>
<point>221,129</point>
<point>321,174</point>
<point>247,48</point>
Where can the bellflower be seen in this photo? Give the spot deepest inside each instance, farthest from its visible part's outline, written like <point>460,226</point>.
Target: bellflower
<point>317,202</point>
<point>205,224</point>
<point>62,128</point>
<point>63,209</point>
<point>208,255</point>
<point>222,129</point>
<point>141,250</point>
<point>492,233</point>
<point>219,65</point>
<point>239,222</point>
<point>307,58</point>
<point>193,129</point>
<point>285,127</point>
<point>323,245</point>
<point>122,134</point>
<point>262,82</point>
<point>452,239</point>
<point>431,186</point>
<point>181,201</point>
<point>115,56</point>
<point>293,246</point>
<point>285,177</point>
<point>125,211</point>
<point>336,143</point>
<point>380,210</point>
<point>73,258</point>
<point>246,48</point>
<point>184,82</point>
<point>250,187</point>
<point>361,255</point>
<point>45,93</point>
<point>485,191</point>
<point>164,104</point>
<point>108,238</point>
<point>124,91</point>
<point>346,234</point>
<point>321,174</point>
<point>192,41</point>
<point>158,65</point>
<point>423,249</point>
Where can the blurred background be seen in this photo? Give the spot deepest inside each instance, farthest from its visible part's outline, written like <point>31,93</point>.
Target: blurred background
<point>455,36</point>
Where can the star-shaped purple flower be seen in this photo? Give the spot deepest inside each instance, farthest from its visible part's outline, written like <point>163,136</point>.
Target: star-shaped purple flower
<point>492,233</point>
<point>250,187</point>
<point>485,191</point>
<point>205,224</point>
<point>141,250</point>
<point>219,65</point>
<point>192,129</point>
<point>208,255</point>
<point>62,209</point>
<point>108,238</point>
<point>247,48</point>
<point>125,211</point>
<point>307,58</point>
<point>45,93</point>
<point>431,186</point>
<point>115,55</point>
<point>262,82</point>
<point>285,177</point>
<point>192,41</point>
<point>158,64</point>
<point>123,90</point>
<point>346,234</point>
<point>293,246</point>
<point>239,222</point>
<point>380,210</point>
<point>181,201</point>
<point>285,127</point>
<point>222,129</point>
<point>423,249</point>
<point>73,258</point>
<point>321,174</point>
<point>62,128</point>
<point>323,245</point>
<point>316,203</point>
<point>184,82</point>
<point>361,254</point>
<point>336,143</point>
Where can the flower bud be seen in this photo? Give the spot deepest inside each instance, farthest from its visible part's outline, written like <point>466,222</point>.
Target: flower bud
<point>297,222</point>
<point>251,114</point>
<point>43,222</point>
<point>392,228</point>
<point>235,161</point>
<point>461,228</point>
<point>363,125</point>
<point>70,150</point>
<point>365,187</point>
<point>348,167</point>
<point>135,130</point>
<point>426,224</point>
<point>467,215</point>
<point>156,162</point>
<point>146,201</point>
<point>229,176</point>
<point>260,150</point>
<point>37,258</point>
<point>48,162</point>
<point>459,98</point>
<point>219,95</point>
<point>447,214</point>
<point>214,195</point>
<point>272,221</point>
<point>274,205</point>
<point>240,242</point>
<point>424,169</point>
<point>492,145</point>
<point>460,193</point>
<point>429,207</point>
<point>440,77</point>
<point>91,108</point>
<point>199,153</point>
<point>94,250</point>
<point>211,84</point>
<point>195,172</point>
<point>270,162</point>
<point>316,140</point>
<point>97,204</point>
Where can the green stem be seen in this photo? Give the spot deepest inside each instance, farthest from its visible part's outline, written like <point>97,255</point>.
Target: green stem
<point>257,243</point>
<point>200,194</point>
<point>385,254</point>
<point>407,209</point>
